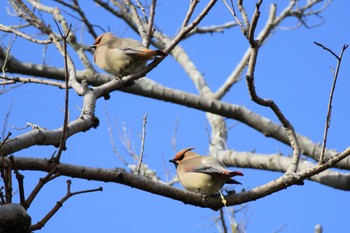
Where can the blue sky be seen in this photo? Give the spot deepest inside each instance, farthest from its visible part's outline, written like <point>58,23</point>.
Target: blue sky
<point>291,70</point>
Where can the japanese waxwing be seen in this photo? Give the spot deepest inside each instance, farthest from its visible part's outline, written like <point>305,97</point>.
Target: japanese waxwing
<point>121,56</point>
<point>203,174</point>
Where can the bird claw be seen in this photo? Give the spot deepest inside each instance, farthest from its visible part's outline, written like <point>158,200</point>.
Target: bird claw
<point>198,191</point>
<point>228,192</point>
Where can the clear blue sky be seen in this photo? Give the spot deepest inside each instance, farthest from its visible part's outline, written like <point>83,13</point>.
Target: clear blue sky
<point>291,70</point>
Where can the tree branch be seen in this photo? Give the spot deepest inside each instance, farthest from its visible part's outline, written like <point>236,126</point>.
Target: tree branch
<point>120,176</point>
<point>329,110</point>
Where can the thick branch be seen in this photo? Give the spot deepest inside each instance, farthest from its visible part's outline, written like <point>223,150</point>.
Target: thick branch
<point>40,136</point>
<point>280,163</point>
<point>119,175</point>
<point>148,88</point>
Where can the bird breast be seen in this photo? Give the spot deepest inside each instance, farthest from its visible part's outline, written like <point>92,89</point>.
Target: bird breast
<point>200,182</point>
<point>116,61</point>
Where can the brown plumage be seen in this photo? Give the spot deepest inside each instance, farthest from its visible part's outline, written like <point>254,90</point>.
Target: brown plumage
<point>121,56</point>
<point>203,174</point>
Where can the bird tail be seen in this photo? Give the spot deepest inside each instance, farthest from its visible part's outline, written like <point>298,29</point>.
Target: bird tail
<point>149,54</point>
<point>236,173</point>
<point>232,181</point>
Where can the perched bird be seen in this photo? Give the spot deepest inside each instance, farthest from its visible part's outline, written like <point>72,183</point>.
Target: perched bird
<point>121,56</point>
<point>203,174</point>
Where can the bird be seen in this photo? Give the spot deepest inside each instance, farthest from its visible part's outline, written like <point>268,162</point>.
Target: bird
<point>202,174</point>
<point>122,56</point>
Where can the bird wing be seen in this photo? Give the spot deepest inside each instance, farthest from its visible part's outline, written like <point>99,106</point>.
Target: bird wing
<point>210,165</point>
<point>207,170</point>
<point>214,166</point>
<point>129,46</point>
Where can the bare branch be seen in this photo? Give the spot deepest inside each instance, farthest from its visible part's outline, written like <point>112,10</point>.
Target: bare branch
<point>7,56</point>
<point>213,202</point>
<point>329,50</point>
<point>245,15</point>
<point>280,163</point>
<point>17,79</point>
<point>62,145</point>
<point>222,221</point>
<point>151,22</point>
<point>192,7</point>
<point>52,174</point>
<point>142,8</point>
<point>137,20</point>
<point>23,35</point>
<point>151,89</point>
<point>143,138</point>
<point>20,179</point>
<point>5,138</point>
<point>329,110</point>
<point>59,204</point>
<point>111,137</point>
<point>211,29</point>
<point>76,7</point>
<point>269,103</point>
<point>235,76</point>
<point>183,32</point>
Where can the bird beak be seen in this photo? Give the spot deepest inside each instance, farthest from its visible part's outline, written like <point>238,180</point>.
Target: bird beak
<point>92,47</point>
<point>174,162</point>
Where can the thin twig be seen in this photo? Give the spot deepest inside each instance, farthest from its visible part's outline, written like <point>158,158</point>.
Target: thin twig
<point>7,179</point>
<point>211,29</point>
<point>244,12</point>
<point>5,173</point>
<point>233,12</point>
<point>266,102</point>
<point>18,79</point>
<point>193,4</point>
<point>142,9</point>
<point>264,34</point>
<point>143,138</point>
<point>5,125</point>
<point>8,185</point>
<point>128,145</point>
<point>111,136</point>
<point>174,137</point>
<point>3,68</point>
<point>4,141</point>
<point>329,50</point>
<point>20,179</point>
<point>137,20</point>
<point>251,28</point>
<point>23,35</point>
<point>84,19</point>
<point>222,220</point>
<point>59,204</point>
<point>42,181</point>
<point>330,101</point>
<point>76,7</point>
<point>151,22</point>
<point>62,145</point>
